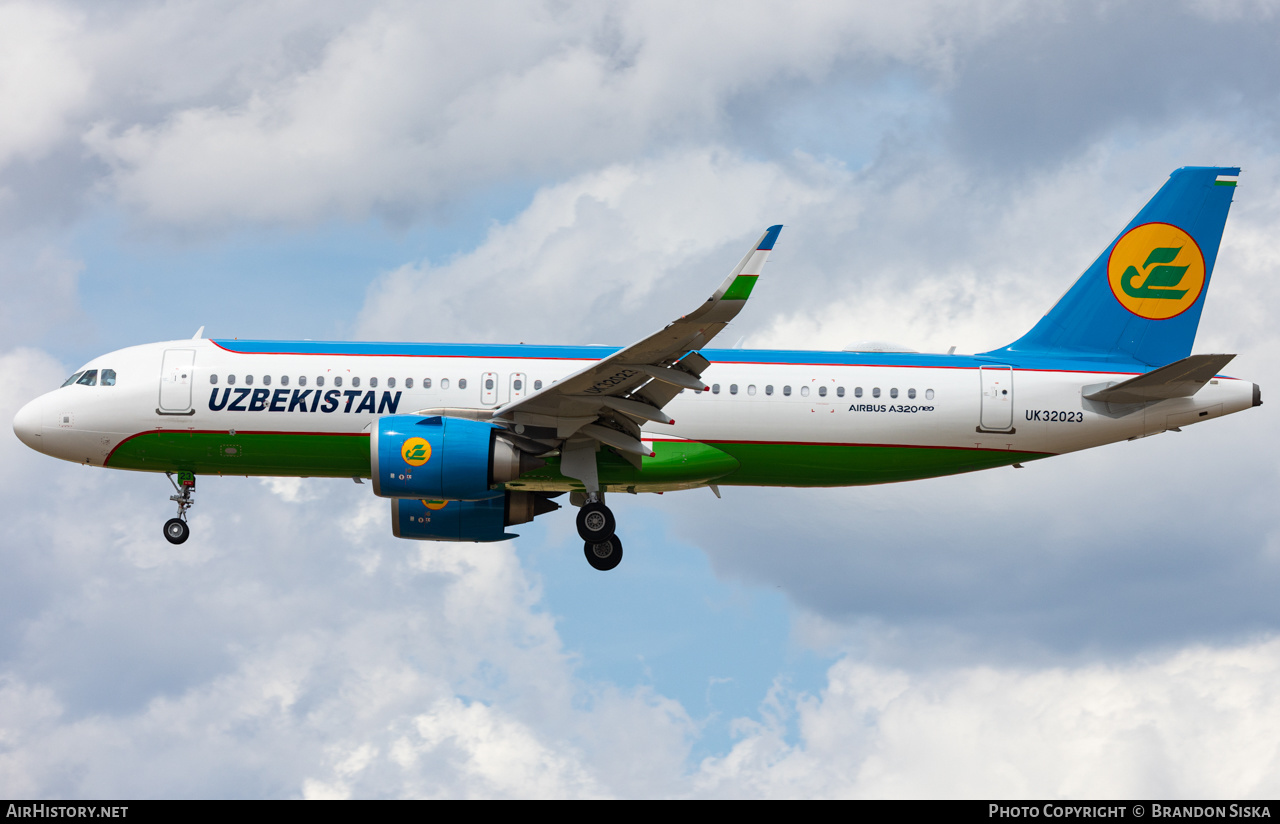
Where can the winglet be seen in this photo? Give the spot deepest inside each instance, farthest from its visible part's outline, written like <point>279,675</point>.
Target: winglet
<point>743,278</point>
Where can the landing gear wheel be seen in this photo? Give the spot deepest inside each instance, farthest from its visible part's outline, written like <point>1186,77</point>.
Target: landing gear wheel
<point>595,522</point>
<point>176,530</point>
<point>604,555</point>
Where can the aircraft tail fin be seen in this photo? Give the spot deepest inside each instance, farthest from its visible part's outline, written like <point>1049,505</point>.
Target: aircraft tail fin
<point>1141,299</point>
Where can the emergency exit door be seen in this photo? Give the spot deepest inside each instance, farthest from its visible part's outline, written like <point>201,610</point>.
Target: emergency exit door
<point>489,388</point>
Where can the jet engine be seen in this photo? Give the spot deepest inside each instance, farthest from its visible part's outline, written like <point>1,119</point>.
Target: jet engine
<point>442,458</point>
<point>427,520</point>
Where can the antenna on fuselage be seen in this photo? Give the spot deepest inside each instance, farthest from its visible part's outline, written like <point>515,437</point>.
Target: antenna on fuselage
<point>199,334</point>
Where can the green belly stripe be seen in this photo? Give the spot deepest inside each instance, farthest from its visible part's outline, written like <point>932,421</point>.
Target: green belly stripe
<point>784,464</point>
<point>258,453</point>
<point>676,465</point>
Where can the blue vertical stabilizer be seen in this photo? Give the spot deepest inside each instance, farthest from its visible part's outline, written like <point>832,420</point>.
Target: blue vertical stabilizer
<point>1141,299</point>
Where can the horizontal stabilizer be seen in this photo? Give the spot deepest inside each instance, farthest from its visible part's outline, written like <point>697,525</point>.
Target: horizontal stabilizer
<point>1180,379</point>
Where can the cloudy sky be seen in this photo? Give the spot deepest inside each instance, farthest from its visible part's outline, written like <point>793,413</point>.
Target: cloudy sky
<point>1099,625</point>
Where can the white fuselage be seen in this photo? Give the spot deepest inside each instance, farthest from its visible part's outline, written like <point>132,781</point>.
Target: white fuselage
<point>968,405</point>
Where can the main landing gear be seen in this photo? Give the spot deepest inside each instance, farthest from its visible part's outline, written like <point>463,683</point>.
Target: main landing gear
<point>175,529</point>
<point>595,526</point>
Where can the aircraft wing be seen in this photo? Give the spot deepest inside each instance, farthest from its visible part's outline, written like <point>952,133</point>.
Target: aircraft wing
<point>609,400</point>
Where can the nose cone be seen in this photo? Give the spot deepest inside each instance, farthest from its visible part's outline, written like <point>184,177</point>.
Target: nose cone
<point>27,425</point>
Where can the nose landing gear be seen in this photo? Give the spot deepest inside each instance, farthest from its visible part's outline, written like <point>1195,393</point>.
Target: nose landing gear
<point>176,530</point>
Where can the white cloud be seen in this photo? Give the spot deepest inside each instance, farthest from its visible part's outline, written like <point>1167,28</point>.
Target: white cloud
<point>41,288</point>
<point>413,105</point>
<point>1199,723</point>
<point>607,254</point>
<point>43,80</point>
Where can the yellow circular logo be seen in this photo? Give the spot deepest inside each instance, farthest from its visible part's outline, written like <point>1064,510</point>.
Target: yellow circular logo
<point>434,504</point>
<point>1156,271</point>
<point>416,451</point>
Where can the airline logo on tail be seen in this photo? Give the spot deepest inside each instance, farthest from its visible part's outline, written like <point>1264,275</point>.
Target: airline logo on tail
<point>415,452</point>
<point>1156,271</point>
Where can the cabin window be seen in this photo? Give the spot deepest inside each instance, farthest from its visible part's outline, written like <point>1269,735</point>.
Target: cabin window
<point>733,389</point>
<point>462,383</point>
<point>391,383</point>
<point>320,380</point>
<point>408,383</point>
<point>875,393</point>
<point>444,383</point>
<point>355,381</point>
<point>537,385</point>
<point>893,393</point>
<point>373,383</point>
<point>822,391</point>
<point>231,380</point>
<point>786,390</point>
<point>517,384</point>
<point>302,380</point>
<point>488,385</point>
<point>857,391</point>
<point>928,394</point>
<point>715,389</point>
<point>266,380</point>
<point>89,378</point>
<point>804,391</point>
<point>751,389</point>
<point>248,380</point>
<point>284,380</point>
<point>911,393</point>
<point>337,381</point>
<point>213,379</point>
<point>426,383</point>
<point>768,389</point>
<point>839,391</point>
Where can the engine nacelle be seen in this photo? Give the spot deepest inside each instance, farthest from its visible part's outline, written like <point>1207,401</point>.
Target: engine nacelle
<point>442,458</point>
<point>466,520</point>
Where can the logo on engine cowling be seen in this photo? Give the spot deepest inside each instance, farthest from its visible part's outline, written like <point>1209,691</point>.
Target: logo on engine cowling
<point>416,451</point>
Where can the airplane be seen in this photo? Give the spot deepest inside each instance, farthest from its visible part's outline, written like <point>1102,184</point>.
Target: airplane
<point>467,440</point>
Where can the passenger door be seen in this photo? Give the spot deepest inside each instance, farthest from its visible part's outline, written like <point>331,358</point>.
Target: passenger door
<point>175,380</point>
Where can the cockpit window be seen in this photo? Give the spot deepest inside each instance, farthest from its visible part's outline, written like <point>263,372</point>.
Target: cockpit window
<point>72,379</point>
<point>89,378</point>
<point>108,377</point>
